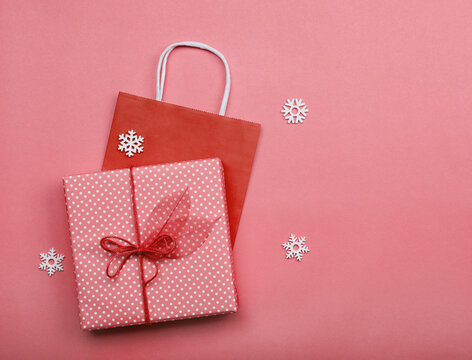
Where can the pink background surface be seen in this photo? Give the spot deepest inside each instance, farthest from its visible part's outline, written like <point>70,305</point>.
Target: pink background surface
<point>378,177</point>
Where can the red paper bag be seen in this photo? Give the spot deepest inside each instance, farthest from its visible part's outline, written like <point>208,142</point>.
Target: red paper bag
<point>146,132</point>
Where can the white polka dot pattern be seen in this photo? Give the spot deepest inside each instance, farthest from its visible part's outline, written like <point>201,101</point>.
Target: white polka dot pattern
<point>100,204</point>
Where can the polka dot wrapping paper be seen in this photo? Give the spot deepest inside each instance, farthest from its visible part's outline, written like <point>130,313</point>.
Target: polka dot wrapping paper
<point>101,204</point>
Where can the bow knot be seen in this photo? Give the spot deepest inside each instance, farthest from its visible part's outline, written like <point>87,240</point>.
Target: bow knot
<point>162,246</point>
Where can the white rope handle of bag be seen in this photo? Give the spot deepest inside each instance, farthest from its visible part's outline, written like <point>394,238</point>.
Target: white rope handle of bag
<point>161,70</point>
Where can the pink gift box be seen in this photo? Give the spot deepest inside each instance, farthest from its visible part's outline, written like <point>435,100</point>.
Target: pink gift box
<point>112,204</point>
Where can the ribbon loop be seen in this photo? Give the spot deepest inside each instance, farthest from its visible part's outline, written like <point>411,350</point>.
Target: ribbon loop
<point>158,248</point>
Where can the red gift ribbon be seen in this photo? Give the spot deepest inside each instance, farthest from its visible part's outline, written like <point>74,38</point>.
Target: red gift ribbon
<point>153,251</point>
<point>160,246</point>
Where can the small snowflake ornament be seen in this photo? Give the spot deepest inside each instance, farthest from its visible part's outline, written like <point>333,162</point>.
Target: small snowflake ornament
<point>130,143</point>
<point>295,247</point>
<point>294,111</point>
<point>51,262</point>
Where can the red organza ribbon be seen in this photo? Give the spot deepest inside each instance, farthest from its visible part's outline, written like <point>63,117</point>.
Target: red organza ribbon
<point>168,233</point>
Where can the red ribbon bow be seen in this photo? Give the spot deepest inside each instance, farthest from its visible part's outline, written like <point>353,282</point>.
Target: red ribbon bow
<point>169,233</point>
<point>159,248</point>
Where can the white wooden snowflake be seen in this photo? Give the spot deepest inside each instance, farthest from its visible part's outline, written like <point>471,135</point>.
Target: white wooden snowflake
<point>51,262</point>
<point>294,111</point>
<point>130,143</point>
<point>295,247</point>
